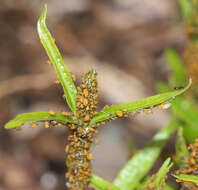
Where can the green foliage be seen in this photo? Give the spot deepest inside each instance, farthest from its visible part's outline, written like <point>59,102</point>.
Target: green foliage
<point>100,184</point>
<point>184,110</point>
<point>141,163</point>
<point>134,171</point>
<point>185,177</point>
<point>56,58</point>
<point>162,173</point>
<point>186,8</point>
<point>36,116</point>
<point>181,148</point>
<point>110,112</point>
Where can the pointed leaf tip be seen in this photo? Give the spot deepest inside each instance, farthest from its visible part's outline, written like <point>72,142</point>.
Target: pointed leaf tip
<point>58,63</point>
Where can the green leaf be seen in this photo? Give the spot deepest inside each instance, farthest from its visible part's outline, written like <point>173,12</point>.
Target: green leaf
<point>181,148</point>
<point>186,112</point>
<point>162,173</point>
<point>162,87</point>
<point>37,116</point>
<point>177,67</point>
<point>136,168</point>
<point>110,112</point>
<point>185,177</point>
<point>55,56</point>
<point>101,184</point>
<point>186,8</point>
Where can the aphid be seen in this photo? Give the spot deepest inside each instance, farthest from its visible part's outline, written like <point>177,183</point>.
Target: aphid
<point>49,62</point>
<point>73,77</point>
<point>66,113</point>
<point>51,112</point>
<point>85,92</point>
<point>53,122</point>
<point>87,117</point>
<point>46,125</point>
<point>33,125</point>
<point>147,111</point>
<point>119,113</point>
<point>89,156</point>
<point>178,87</point>
<point>159,106</point>
<point>96,142</point>
<point>85,102</point>
<point>59,125</point>
<point>166,105</point>
<point>57,82</point>
<point>67,148</point>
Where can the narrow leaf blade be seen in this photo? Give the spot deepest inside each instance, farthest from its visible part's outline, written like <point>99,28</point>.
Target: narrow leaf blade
<point>35,117</point>
<point>162,173</point>
<point>181,148</point>
<point>141,163</point>
<point>101,184</point>
<point>110,112</point>
<point>185,177</point>
<point>55,56</point>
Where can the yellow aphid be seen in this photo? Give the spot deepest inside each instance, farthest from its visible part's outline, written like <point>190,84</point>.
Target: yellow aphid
<point>51,112</point>
<point>85,92</point>
<point>74,118</point>
<point>78,104</point>
<point>66,113</point>
<point>147,111</point>
<point>192,161</point>
<point>59,125</point>
<point>67,174</point>
<point>119,113</point>
<point>73,77</point>
<point>33,125</point>
<point>159,106</point>
<point>193,154</point>
<point>87,117</point>
<point>81,99</point>
<point>67,148</point>
<point>46,125</point>
<point>85,102</point>
<point>89,156</point>
<point>96,142</point>
<point>57,82</point>
<point>49,62</point>
<point>96,131</point>
<point>71,178</point>
<point>72,127</point>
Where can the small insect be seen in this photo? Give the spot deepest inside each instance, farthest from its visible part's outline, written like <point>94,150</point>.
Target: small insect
<point>178,87</point>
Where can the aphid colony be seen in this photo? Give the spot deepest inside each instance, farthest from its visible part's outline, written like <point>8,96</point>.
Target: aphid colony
<point>81,138</point>
<point>190,167</point>
<point>78,149</point>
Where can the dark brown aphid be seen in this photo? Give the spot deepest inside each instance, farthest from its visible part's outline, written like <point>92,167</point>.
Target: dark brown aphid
<point>178,87</point>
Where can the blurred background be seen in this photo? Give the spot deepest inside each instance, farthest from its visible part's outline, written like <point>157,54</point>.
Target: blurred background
<point>124,40</point>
